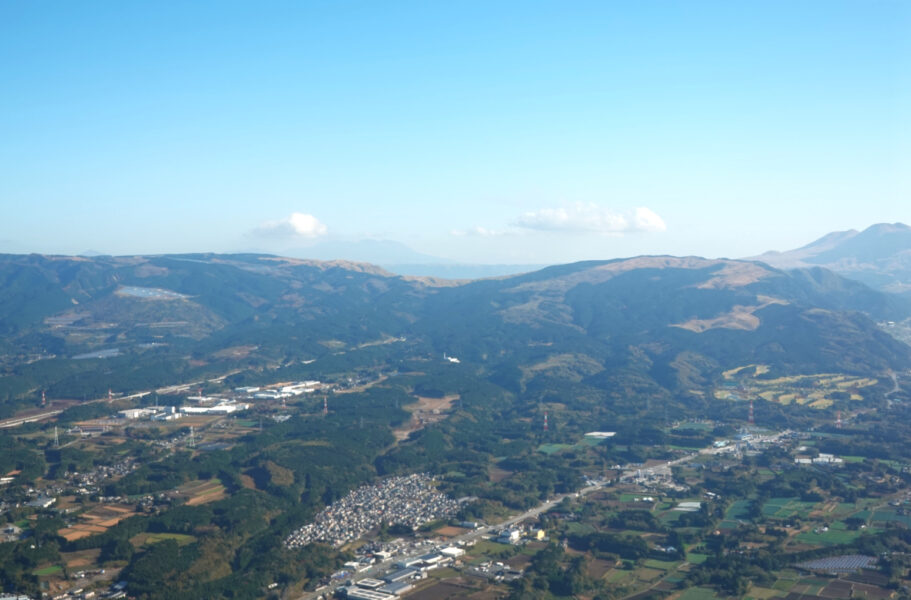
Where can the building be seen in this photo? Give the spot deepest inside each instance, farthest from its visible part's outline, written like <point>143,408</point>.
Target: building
<point>136,413</point>
<point>401,575</point>
<point>398,588</point>
<point>600,435</point>
<point>357,593</point>
<point>219,409</point>
<point>204,399</point>
<point>42,502</point>
<point>509,536</point>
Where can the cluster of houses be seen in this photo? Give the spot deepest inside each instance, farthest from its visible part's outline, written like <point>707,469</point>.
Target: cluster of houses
<point>408,500</point>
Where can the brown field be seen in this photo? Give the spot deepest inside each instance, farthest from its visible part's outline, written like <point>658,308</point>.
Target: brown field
<point>444,590</point>
<point>497,474</point>
<point>200,492</point>
<point>77,532</point>
<point>98,520</point>
<point>450,531</point>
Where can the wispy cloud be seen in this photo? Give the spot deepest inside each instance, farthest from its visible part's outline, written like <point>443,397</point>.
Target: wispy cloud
<point>478,232</point>
<point>298,225</point>
<point>592,218</point>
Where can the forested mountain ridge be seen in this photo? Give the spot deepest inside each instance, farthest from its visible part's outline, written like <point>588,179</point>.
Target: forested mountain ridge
<point>672,320</point>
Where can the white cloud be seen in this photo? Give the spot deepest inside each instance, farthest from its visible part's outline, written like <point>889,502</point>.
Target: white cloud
<point>592,218</point>
<point>297,225</point>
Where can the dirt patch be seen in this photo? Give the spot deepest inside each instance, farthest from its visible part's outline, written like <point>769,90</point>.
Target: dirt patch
<point>450,531</point>
<point>423,412</point>
<point>80,559</point>
<point>598,568</point>
<point>496,474</point>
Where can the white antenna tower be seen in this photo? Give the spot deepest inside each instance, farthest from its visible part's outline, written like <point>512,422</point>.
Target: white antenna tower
<point>56,439</point>
<point>192,442</point>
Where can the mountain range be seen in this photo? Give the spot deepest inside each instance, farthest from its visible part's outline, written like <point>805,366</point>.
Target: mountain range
<point>659,323</point>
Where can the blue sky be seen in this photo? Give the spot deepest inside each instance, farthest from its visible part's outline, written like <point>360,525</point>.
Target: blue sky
<point>492,132</point>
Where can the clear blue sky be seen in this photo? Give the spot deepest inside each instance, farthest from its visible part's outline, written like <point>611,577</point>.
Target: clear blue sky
<point>518,132</point>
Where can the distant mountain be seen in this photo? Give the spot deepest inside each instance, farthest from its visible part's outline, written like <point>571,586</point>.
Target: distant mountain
<point>460,270</point>
<point>402,260</point>
<point>377,252</point>
<point>879,256</point>
<point>614,327</point>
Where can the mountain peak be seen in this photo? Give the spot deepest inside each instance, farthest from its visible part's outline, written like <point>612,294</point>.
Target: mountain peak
<point>879,256</point>
<point>887,228</point>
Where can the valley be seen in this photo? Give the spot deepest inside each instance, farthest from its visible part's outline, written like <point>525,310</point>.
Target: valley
<point>603,449</point>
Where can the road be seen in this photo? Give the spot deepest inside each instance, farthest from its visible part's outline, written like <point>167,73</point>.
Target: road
<point>628,471</point>
<point>17,421</point>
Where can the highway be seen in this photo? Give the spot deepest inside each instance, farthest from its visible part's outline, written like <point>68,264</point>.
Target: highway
<point>17,421</point>
<point>171,389</point>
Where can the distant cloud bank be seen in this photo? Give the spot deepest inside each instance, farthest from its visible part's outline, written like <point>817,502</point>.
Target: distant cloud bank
<point>300,225</point>
<point>592,218</point>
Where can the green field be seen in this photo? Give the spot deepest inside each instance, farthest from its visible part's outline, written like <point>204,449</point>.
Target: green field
<point>833,537</point>
<point>783,508</point>
<point>738,510</point>
<point>617,576</point>
<point>52,570</point>
<point>890,516</point>
<point>698,593</point>
<point>552,448</point>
